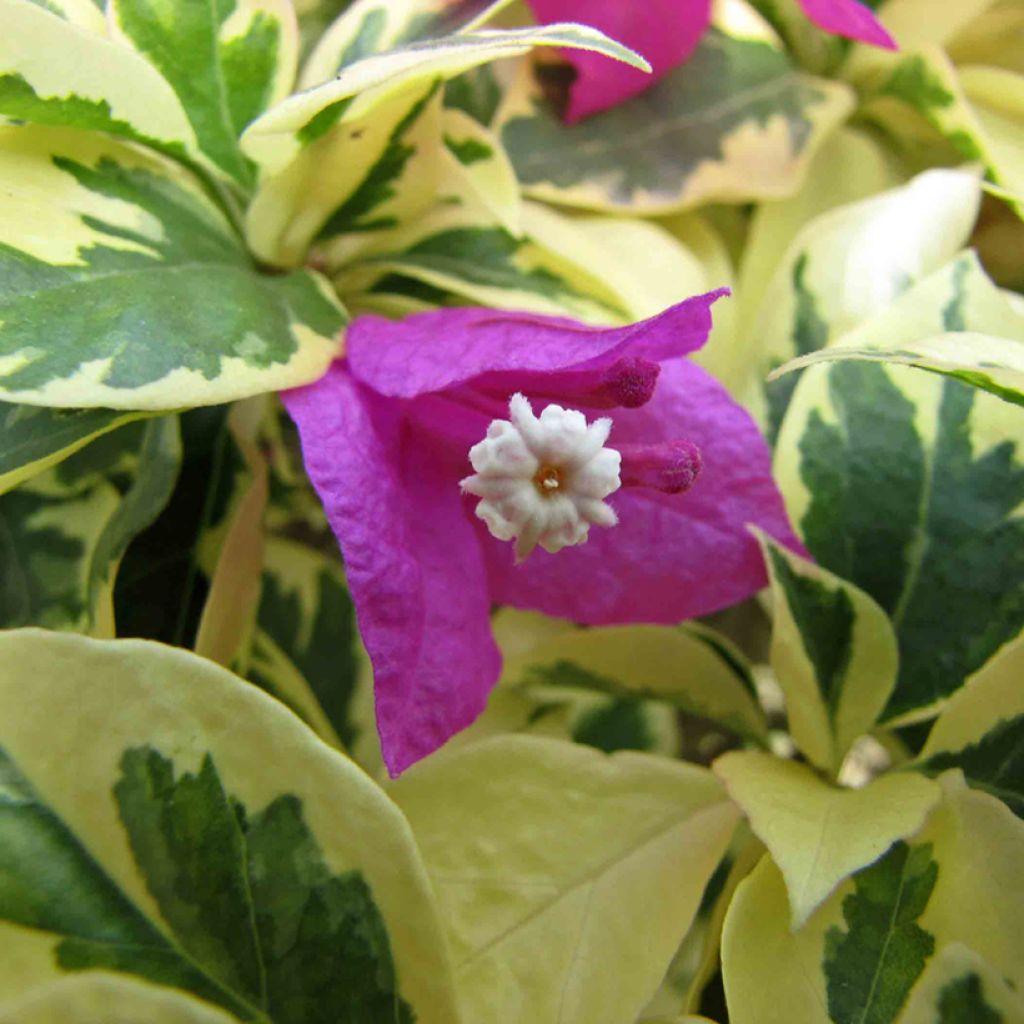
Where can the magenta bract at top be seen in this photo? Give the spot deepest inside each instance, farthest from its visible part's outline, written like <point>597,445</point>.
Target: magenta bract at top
<point>666,32</point>
<point>386,436</point>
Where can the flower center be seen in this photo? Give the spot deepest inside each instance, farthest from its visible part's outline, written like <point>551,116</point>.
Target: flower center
<point>543,480</point>
<point>547,480</point>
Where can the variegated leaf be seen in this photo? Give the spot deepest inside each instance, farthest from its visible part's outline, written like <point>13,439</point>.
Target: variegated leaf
<point>226,60</point>
<point>981,730</point>
<point>993,364</point>
<point>306,651</point>
<point>836,272</point>
<point>833,653</point>
<point>818,833</point>
<point>356,180</point>
<point>734,122</point>
<point>33,438</point>
<point>691,669</point>
<point>276,138</point>
<point>210,843</point>
<point>978,110</point>
<point>959,987</point>
<point>63,535</point>
<point>376,26</point>
<point>354,190</point>
<point>365,152</point>
<point>858,958</point>
<point>124,287</point>
<point>911,487</point>
<point>459,250</point>
<point>58,72</point>
<point>87,14</point>
<point>547,857</point>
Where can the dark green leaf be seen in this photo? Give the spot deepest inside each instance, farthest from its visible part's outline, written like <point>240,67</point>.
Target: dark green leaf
<point>871,967</point>
<point>962,1002</point>
<point>824,619</point>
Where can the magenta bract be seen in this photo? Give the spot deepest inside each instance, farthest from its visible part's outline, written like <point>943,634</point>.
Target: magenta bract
<point>386,436</point>
<point>666,32</point>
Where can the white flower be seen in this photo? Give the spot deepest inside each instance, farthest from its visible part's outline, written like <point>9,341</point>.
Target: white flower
<point>544,480</point>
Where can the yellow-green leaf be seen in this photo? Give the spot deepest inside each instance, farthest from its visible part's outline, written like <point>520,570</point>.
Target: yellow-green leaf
<point>697,960</point>
<point>550,859</point>
<point>818,833</point>
<point>833,653</point>
<point>102,997</point>
<point>921,22</point>
<point>209,843</point>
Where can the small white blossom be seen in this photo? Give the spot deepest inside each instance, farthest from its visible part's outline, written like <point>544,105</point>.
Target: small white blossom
<point>543,480</point>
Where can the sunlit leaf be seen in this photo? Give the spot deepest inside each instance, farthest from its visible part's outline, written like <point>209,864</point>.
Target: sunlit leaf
<point>58,72</point>
<point>226,62</point>
<point>818,833</point>
<point>548,858</point>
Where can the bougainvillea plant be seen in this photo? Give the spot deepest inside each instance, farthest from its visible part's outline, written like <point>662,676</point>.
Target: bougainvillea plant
<point>511,513</point>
